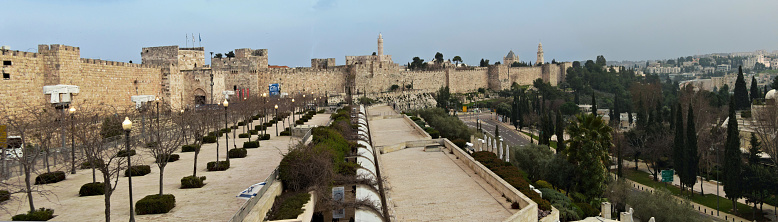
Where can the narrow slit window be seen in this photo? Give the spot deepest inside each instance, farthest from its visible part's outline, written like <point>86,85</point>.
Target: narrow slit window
<point>7,63</point>
<point>6,76</point>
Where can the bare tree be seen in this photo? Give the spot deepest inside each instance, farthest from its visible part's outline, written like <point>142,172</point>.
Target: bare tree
<point>198,127</point>
<point>167,141</point>
<point>25,124</point>
<point>102,152</point>
<point>765,125</point>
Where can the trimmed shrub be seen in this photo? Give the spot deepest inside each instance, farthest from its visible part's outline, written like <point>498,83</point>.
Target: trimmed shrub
<point>243,135</point>
<point>189,148</point>
<point>289,207</point>
<point>413,118</point>
<point>299,122</point>
<point>216,133</point>
<point>543,184</point>
<point>251,144</point>
<point>139,170</point>
<point>226,130</point>
<point>260,127</point>
<point>515,205</point>
<point>460,143</point>
<point>92,189</point>
<point>4,195</point>
<point>320,111</point>
<point>241,123</point>
<point>88,165</point>
<point>52,177</point>
<point>434,134</point>
<point>171,158</point>
<point>253,132</point>
<point>209,139</point>
<point>124,153</point>
<point>266,137</point>
<point>218,165</point>
<point>41,214</point>
<point>237,153</point>
<point>284,133</point>
<point>192,182</point>
<point>151,144</point>
<point>255,117</point>
<point>155,204</point>
<point>233,127</point>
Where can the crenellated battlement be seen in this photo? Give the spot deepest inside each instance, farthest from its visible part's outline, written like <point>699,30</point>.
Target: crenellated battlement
<point>115,63</point>
<point>193,49</point>
<point>19,53</point>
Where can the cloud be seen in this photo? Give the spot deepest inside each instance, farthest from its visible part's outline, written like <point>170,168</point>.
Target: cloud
<point>324,4</point>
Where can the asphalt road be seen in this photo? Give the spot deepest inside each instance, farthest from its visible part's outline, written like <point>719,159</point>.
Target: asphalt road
<point>509,135</point>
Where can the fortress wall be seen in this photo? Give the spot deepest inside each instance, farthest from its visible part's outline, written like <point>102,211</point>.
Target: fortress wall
<point>462,81</point>
<point>190,58</point>
<point>199,81</point>
<point>160,56</point>
<point>24,88</point>
<point>522,75</point>
<point>308,80</point>
<point>113,85</point>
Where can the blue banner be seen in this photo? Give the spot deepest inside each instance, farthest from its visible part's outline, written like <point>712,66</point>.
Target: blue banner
<point>275,89</point>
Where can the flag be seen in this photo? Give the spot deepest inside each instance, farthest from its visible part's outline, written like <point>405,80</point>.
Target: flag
<point>193,40</point>
<point>199,38</point>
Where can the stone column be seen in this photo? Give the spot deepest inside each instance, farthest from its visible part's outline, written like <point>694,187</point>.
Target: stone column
<point>507,153</point>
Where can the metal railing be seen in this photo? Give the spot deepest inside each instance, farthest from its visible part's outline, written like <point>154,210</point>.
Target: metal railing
<point>245,209</point>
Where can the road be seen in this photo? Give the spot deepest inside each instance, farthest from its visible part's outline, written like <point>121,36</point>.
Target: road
<point>509,134</point>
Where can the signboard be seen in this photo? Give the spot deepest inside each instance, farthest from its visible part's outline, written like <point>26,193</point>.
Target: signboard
<point>337,196</point>
<point>667,175</point>
<point>251,191</point>
<point>464,108</point>
<point>274,89</point>
<point>3,136</point>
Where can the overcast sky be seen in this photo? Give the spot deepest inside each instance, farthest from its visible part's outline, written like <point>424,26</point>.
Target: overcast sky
<point>296,31</point>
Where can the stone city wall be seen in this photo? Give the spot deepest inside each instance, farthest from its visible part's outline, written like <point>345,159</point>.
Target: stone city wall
<point>190,58</point>
<point>462,81</point>
<point>24,85</point>
<point>308,80</point>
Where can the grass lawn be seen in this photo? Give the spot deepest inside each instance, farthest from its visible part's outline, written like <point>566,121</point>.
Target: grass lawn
<point>709,200</point>
<point>553,143</point>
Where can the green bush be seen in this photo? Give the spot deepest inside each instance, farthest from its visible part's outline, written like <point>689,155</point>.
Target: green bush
<point>216,134</point>
<point>88,165</point>
<point>567,210</point>
<point>52,177</point>
<point>209,139</point>
<point>290,207</point>
<point>124,153</point>
<point>460,143</point>
<point>434,134</point>
<point>251,144</point>
<point>413,118</point>
<point>189,148</point>
<point>588,210</point>
<point>233,127</point>
<point>92,189</point>
<point>41,214</point>
<point>192,182</point>
<point>260,127</point>
<point>155,204</point>
<point>299,122</point>
<point>255,117</point>
<point>4,195</point>
<point>151,144</point>
<point>284,133</point>
<point>543,184</point>
<point>253,132</point>
<point>218,165</point>
<point>243,135</point>
<point>139,170</point>
<point>320,111</point>
<point>449,126</point>
<point>512,175</point>
<point>237,153</point>
<point>171,158</point>
<point>241,123</point>
<point>266,137</point>
<point>225,130</point>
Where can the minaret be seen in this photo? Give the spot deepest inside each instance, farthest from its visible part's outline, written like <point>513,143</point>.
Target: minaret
<point>380,45</point>
<point>540,54</point>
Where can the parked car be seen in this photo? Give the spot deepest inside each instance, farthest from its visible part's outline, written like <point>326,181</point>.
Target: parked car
<point>14,149</point>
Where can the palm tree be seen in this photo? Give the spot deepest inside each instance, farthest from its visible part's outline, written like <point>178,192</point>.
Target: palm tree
<point>588,150</point>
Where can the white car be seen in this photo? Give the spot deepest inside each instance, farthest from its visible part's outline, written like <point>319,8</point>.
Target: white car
<point>14,149</point>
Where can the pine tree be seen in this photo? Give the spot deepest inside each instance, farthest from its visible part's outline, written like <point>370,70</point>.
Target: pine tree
<point>754,90</point>
<point>732,163</point>
<point>678,144</point>
<point>742,102</point>
<point>691,165</point>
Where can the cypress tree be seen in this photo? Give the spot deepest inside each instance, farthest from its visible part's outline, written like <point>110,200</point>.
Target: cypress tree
<point>560,133</point>
<point>672,117</point>
<point>742,102</point>
<point>753,158</point>
<point>678,144</point>
<point>754,90</point>
<point>692,159</point>
<point>659,118</point>
<point>732,163</point>
<point>496,132</point>
<point>594,104</point>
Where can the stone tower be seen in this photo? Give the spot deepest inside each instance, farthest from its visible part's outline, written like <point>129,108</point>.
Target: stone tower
<point>380,45</point>
<point>540,54</point>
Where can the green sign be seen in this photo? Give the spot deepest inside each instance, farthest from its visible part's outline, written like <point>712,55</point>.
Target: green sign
<point>667,175</point>
<point>3,136</point>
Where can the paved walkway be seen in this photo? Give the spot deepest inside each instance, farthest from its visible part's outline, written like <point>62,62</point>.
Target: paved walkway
<point>215,201</point>
<point>431,186</point>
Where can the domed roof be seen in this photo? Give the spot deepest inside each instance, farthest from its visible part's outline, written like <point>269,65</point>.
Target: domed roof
<point>770,94</point>
<point>510,54</point>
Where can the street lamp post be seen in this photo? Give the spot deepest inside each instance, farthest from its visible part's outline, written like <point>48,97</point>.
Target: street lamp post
<point>127,126</point>
<point>226,134</point>
<point>293,110</point>
<point>276,117</point>
<point>72,141</point>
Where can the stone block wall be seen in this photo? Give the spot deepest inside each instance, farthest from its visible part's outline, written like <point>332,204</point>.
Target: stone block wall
<point>462,81</point>
<point>24,87</point>
<point>308,80</point>
<point>160,56</point>
<point>112,83</point>
<point>190,58</point>
<point>322,63</point>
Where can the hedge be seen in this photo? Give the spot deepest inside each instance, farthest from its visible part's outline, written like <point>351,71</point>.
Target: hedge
<point>51,177</point>
<point>320,111</point>
<point>189,148</point>
<point>460,143</point>
<point>243,135</point>
<point>151,144</point>
<point>139,170</point>
<point>299,122</point>
<point>237,153</point>
<point>209,139</point>
<point>192,182</point>
<point>251,144</point>
<point>171,158</point>
<point>255,117</point>
<point>260,127</point>
<point>92,189</point>
<point>241,123</point>
<point>266,137</point>
<point>155,204</point>
<point>291,207</point>
<point>88,165</point>
<point>123,153</point>
<point>284,133</point>
<point>4,195</point>
<point>216,133</point>
<point>233,127</point>
<point>218,165</point>
<point>41,214</point>
<point>253,132</point>
<point>512,175</point>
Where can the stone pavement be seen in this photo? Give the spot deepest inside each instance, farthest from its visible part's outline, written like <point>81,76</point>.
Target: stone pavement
<point>431,186</point>
<point>215,201</point>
